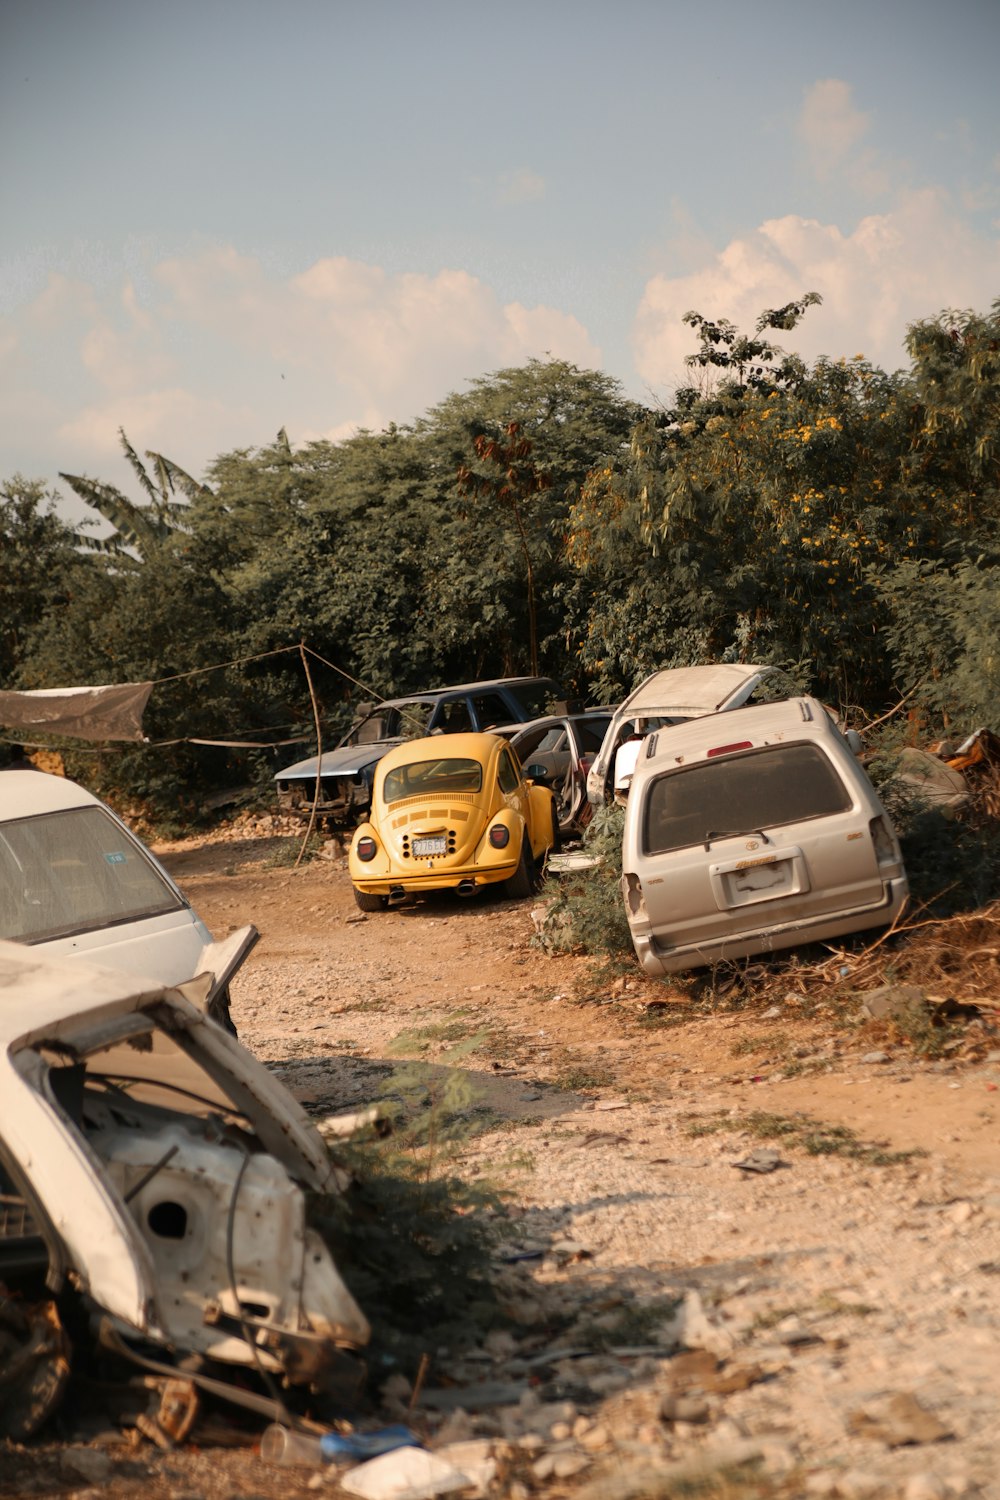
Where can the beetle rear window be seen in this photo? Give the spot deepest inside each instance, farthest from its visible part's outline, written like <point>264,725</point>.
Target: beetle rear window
<point>737,794</point>
<point>75,871</point>
<point>433,777</point>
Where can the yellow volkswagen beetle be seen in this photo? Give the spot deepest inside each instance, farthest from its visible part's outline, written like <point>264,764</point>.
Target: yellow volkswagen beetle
<point>452,812</point>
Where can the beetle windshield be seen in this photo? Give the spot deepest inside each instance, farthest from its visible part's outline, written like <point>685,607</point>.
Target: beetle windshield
<point>764,788</point>
<point>424,777</point>
<point>74,871</point>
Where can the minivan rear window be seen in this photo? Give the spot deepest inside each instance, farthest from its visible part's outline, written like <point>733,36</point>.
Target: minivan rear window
<point>737,794</point>
<point>75,871</point>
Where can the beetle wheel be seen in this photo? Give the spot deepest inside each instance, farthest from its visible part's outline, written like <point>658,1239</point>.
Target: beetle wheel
<point>370,902</point>
<point>522,883</point>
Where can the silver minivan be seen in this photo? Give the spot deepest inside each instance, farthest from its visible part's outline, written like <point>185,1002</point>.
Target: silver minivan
<point>752,831</point>
<point>76,883</point>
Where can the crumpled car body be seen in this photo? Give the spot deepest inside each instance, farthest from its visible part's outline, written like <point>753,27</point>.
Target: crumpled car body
<point>671,697</point>
<point>165,1171</point>
<point>345,774</point>
<point>451,812</point>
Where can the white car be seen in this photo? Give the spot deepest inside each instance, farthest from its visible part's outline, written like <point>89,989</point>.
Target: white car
<point>669,697</point>
<point>155,1173</point>
<point>76,883</point>
<point>750,832</point>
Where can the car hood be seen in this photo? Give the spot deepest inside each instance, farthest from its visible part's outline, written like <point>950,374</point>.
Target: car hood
<point>347,760</point>
<point>693,692</point>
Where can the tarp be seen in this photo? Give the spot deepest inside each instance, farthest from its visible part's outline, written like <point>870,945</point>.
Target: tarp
<point>84,713</point>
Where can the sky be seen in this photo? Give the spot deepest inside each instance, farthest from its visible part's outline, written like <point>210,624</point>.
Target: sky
<point>223,217</point>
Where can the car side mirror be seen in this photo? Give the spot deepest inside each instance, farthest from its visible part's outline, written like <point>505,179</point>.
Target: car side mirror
<point>853,739</point>
<point>537,773</point>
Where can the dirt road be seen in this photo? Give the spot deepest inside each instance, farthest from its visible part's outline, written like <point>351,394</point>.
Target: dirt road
<point>843,1304</point>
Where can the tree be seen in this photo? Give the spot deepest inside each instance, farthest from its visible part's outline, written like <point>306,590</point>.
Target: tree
<point>745,523</point>
<point>507,476</point>
<point>137,528</point>
<point>956,375</point>
<point>38,562</point>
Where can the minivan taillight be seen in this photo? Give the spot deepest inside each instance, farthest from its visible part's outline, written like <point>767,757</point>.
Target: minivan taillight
<point>883,841</point>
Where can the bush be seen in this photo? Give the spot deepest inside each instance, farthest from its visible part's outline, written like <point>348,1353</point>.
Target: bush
<point>587,912</point>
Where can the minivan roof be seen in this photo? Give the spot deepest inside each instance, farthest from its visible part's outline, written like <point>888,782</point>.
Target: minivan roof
<point>787,718</point>
<point>691,692</point>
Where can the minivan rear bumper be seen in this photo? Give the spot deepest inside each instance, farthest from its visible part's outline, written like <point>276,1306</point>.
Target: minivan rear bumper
<point>659,958</point>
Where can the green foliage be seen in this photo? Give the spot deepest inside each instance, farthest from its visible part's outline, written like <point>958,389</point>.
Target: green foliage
<point>830,518</point>
<point>944,634</point>
<point>412,1239</point>
<point>952,863</point>
<point>138,529</point>
<point>38,566</point>
<point>814,1137</point>
<point>587,912</point>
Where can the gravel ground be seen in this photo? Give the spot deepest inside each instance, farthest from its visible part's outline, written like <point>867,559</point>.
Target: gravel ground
<point>839,1311</point>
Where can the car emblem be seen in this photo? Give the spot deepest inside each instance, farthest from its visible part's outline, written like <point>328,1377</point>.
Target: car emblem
<point>753,844</point>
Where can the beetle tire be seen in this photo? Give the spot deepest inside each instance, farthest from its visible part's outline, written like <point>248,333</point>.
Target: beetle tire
<point>370,902</point>
<point>522,882</point>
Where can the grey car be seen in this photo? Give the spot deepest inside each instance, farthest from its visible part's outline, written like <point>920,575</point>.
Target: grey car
<point>342,784</point>
<point>563,746</point>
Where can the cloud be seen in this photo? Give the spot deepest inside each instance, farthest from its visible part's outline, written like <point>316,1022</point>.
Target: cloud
<point>522,186</point>
<point>832,129</point>
<point>829,124</point>
<point>892,269</point>
<point>218,352</point>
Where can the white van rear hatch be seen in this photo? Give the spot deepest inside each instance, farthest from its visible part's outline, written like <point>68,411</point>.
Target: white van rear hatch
<point>753,831</point>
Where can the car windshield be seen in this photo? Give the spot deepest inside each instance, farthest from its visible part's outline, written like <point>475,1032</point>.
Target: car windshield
<point>535,697</point>
<point>433,776</point>
<point>740,794</point>
<point>406,721</point>
<point>75,871</point>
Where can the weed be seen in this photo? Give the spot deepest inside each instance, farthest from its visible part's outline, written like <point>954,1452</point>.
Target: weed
<point>659,1014</point>
<point>374,1003</point>
<point>634,1323</point>
<point>829,1305</point>
<point>419,1040</point>
<point>587,912</point>
<point>412,1240</point>
<point>811,1136</point>
<point>581,1081</point>
<point>285,854</point>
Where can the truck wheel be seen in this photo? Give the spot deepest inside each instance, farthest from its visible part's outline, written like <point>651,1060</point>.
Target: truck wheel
<point>369,902</point>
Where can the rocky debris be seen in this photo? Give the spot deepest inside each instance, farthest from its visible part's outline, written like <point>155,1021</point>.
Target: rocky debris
<point>898,1420</point>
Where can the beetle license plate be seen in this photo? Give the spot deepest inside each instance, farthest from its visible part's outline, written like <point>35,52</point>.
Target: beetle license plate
<point>436,843</point>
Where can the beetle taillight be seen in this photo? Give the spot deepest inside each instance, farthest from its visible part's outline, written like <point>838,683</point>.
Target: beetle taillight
<point>365,849</point>
<point>728,749</point>
<point>499,836</point>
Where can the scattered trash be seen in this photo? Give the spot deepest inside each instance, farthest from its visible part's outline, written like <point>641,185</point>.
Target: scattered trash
<point>286,1445</point>
<point>405,1474</point>
<point>571,861</point>
<point>932,780</point>
<point>762,1160</point>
